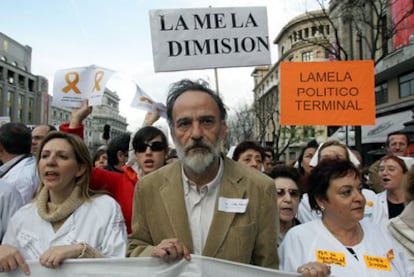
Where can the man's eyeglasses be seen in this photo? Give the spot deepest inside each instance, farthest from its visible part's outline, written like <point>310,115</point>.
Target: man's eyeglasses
<point>154,146</point>
<point>294,193</point>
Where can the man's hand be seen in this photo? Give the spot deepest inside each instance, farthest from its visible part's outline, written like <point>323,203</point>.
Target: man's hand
<point>10,259</point>
<point>79,114</point>
<point>170,250</point>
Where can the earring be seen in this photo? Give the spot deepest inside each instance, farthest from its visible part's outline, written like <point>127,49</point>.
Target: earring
<point>322,209</point>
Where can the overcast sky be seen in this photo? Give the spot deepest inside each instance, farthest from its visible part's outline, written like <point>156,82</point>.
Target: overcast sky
<point>116,35</point>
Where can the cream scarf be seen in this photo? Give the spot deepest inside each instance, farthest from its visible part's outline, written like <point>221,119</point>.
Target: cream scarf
<point>57,214</point>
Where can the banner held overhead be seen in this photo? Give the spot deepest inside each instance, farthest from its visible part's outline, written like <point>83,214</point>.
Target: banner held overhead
<point>184,39</point>
<point>327,93</point>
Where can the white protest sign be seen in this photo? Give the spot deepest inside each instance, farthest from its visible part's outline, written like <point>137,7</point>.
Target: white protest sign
<point>149,267</point>
<point>144,102</point>
<point>72,85</point>
<point>185,39</point>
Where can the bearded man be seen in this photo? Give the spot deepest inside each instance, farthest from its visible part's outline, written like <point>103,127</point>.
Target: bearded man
<point>205,204</point>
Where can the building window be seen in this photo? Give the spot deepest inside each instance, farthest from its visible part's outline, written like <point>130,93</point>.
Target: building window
<point>20,115</point>
<point>314,31</point>
<point>406,85</point>
<point>10,77</point>
<point>30,111</point>
<point>21,82</point>
<point>9,110</point>
<point>381,94</point>
<point>307,56</point>
<point>20,106</point>
<point>321,30</point>
<point>31,85</point>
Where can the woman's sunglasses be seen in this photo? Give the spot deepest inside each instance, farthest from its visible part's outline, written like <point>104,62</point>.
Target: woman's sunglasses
<point>154,146</point>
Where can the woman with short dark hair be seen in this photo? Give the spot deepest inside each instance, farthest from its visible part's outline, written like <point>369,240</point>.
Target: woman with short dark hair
<point>340,238</point>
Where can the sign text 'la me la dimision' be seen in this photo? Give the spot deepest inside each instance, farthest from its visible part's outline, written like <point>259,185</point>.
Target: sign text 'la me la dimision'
<point>207,38</point>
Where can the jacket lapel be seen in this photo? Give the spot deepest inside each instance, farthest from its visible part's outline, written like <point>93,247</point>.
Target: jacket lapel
<point>172,194</point>
<point>230,188</point>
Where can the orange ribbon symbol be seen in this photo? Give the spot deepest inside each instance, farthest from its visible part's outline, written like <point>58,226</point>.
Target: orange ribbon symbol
<point>98,77</point>
<point>145,99</point>
<point>72,84</point>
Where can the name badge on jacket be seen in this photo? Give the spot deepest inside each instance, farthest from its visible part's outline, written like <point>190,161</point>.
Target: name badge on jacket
<point>232,205</point>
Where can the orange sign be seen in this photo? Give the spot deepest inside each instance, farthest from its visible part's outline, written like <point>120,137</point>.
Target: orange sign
<point>327,93</point>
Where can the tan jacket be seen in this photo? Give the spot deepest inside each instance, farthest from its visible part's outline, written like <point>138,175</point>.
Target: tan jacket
<point>402,229</point>
<point>250,237</point>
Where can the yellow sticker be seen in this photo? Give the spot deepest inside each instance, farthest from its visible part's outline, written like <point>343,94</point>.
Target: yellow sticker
<point>379,263</point>
<point>369,203</point>
<point>329,257</point>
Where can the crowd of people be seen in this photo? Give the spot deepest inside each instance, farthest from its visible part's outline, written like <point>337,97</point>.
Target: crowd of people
<point>324,215</point>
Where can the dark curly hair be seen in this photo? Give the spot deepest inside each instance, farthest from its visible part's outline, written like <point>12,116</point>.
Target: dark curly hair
<point>322,175</point>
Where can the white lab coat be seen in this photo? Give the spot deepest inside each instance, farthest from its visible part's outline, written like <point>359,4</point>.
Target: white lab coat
<point>23,176</point>
<point>302,242</point>
<point>10,202</point>
<point>382,198</point>
<point>373,210</point>
<point>98,222</point>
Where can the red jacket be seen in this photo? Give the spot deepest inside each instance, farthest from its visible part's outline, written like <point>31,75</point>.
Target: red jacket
<point>119,186</point>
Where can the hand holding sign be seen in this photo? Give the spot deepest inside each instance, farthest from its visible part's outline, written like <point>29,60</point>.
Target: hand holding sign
<point>73,85</point>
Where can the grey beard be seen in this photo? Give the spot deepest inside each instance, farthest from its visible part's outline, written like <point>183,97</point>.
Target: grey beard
<point>199,162</point>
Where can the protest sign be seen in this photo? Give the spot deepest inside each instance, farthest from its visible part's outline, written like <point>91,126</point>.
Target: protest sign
<point>73,85</point>
<point>199,266</point>
<point>327,93</point>
<point>144,102</point>
<point>185,39</point>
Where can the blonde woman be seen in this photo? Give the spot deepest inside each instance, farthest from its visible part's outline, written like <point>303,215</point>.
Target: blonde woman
<point>64,221</point>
